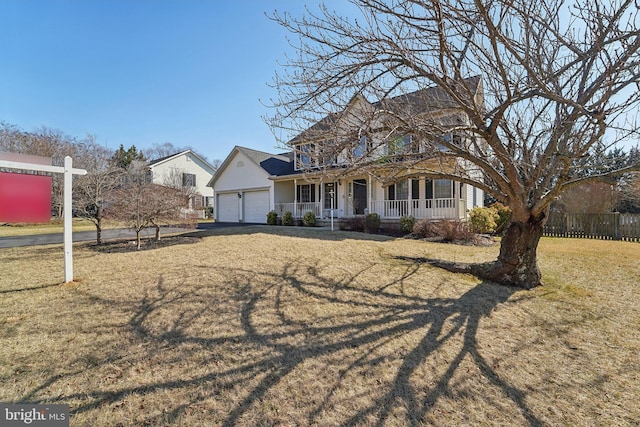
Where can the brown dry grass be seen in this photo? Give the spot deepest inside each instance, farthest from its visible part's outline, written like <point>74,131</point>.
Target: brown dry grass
<point>293,327</point>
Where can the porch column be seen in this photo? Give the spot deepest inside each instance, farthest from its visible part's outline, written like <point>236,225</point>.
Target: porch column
<point>369,195</point>
<point>321,197</point>
<point>456,199</point>
<point>409,196</point>
<point>295,197</point>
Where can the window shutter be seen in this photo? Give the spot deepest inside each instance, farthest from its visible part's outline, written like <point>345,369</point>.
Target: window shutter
<point>429,185</point>
<point>298,193</point>
<point>415,189</point>
<point>392,192</point>
<point>313,193</point>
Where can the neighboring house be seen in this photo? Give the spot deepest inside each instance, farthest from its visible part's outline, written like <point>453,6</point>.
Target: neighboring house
<point>188,172</point>
<point>324,178</point>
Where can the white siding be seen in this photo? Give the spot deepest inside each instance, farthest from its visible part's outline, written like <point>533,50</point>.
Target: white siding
<point>184,163</point>
<point>241,173</point>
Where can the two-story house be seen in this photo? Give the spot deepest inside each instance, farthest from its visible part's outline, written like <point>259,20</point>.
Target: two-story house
<point>188,172</point>
<point>353,163</point>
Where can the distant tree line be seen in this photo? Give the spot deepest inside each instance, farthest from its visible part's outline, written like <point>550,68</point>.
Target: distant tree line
<point>610,194</point>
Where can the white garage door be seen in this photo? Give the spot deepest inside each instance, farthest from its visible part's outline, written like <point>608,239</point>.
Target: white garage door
<point>256,206</point>
<point>228,207</point>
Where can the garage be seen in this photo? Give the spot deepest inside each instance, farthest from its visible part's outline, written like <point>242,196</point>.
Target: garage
<point>256,206</point>
<point>228,207</point>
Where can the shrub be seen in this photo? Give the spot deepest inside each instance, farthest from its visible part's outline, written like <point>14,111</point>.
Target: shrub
<point>482,220</point>
<point>491,220</point>
<point>372,222</point>
<point>501,217</point>
<point>309,219</point>
<point>406,224</point>
<point>424,228</point>
<point>446,231</point>
<point>453,231</point>
<point>287,218</point>
<point>272,218</point>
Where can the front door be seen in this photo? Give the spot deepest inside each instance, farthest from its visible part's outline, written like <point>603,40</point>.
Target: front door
<point>359,196</point>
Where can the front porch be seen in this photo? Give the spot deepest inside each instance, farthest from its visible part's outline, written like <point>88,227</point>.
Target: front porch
<point>347,198</point>
<point>451,208</point>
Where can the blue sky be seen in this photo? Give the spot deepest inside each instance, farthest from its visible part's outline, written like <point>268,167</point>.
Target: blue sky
<point>139,72</point>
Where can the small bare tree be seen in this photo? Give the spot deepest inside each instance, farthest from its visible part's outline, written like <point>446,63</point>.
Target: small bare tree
<point>557,81</point>
<point>175,179</point>
<point>140,203</point>
<point>92,189</point>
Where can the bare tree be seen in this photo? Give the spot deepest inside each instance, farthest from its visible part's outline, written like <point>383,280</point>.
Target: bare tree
<point>630,189</point>
<point>175,179</point>
<point>159,151</point>
<point>590,197</point>
<point>167,149</point>
<point>558,80</point>
<point>92,189</point>
<point>140,203</point>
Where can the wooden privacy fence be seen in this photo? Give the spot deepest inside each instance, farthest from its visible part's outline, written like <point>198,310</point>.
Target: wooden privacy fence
<point>614,226</point>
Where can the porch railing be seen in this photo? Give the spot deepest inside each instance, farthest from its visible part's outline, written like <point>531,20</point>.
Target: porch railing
<point>299,209</point>
<point>421,208</point>
<point>418,208</point>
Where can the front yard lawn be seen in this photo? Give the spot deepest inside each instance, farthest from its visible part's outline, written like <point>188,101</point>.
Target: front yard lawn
<point>261,326</point>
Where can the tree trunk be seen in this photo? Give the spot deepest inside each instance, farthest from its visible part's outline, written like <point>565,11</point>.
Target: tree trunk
<point>98,233</point>
<point>138,238</point>
<point>517,264</point>
<point>157,232</point>
<point>99,226</point>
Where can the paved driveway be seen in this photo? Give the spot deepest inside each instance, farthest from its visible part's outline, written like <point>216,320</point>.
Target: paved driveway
<point>87,236</point>
<point>81,236</point>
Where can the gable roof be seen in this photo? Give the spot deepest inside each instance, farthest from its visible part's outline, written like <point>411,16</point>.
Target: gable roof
<point>271,164</point>
<point>165,159</point>
<point>414,103</point>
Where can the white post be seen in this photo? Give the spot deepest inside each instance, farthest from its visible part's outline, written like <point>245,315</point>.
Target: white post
<point>68,215</point>
<point>333,194</point>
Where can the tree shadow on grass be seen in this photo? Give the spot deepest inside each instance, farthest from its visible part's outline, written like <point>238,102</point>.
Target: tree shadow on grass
<point>302,317</point>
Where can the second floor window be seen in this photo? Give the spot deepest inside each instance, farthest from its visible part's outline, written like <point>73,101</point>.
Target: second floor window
<point>399,145</point>
<point>360,150</point>
<point>304,156</point>
<point>188,180</point>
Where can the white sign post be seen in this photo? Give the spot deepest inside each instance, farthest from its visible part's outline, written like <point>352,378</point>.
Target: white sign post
<point>68,172</point>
